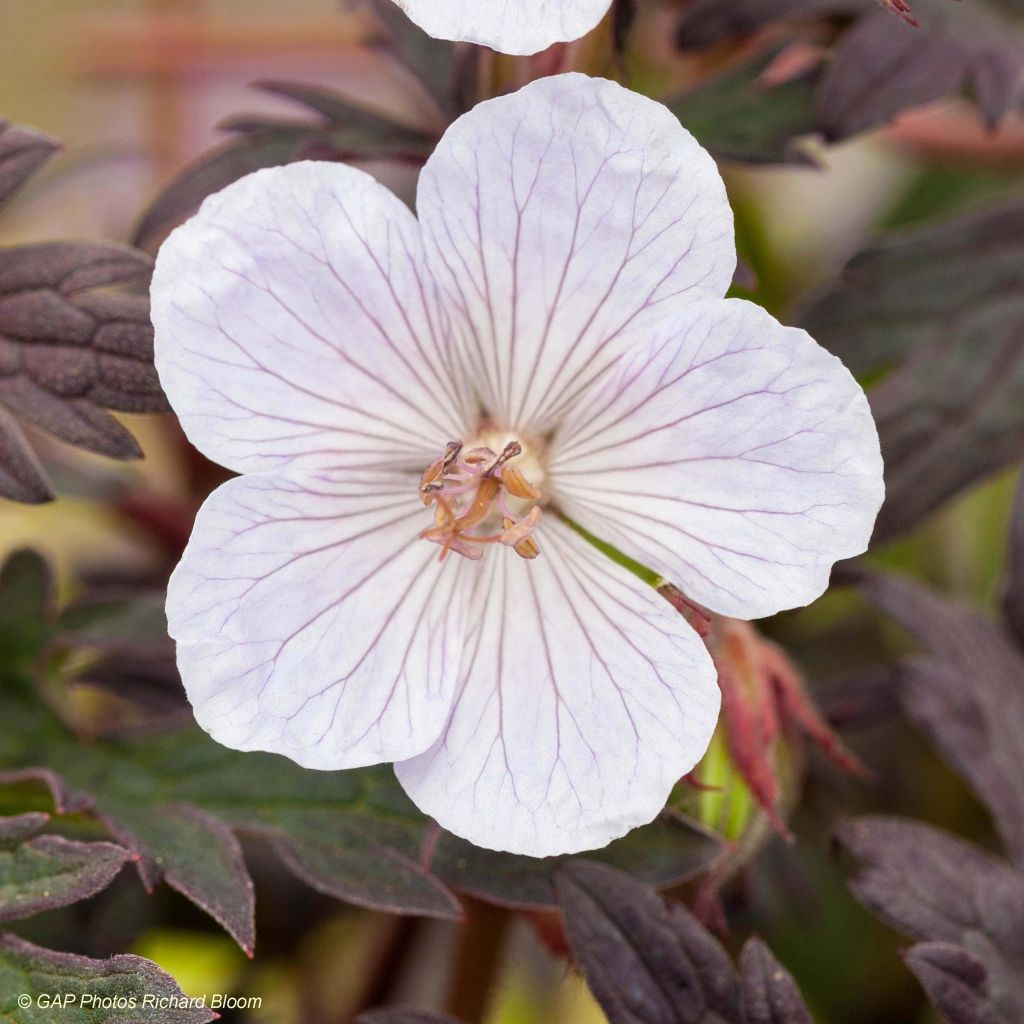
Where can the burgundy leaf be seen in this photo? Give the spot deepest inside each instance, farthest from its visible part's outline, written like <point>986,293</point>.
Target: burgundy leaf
<point>22,478</point>
<point>69,350</point>
<point>967,695</point>
<point>770,995</point>
<point>941,889</point>
<point>944,304</point>
<point>645,961</point>
<point>955,980</point>
<point>880,68</point>
<point>22,152</point>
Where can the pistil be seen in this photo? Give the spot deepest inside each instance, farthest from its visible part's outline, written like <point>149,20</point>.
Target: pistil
<point>471,491</point>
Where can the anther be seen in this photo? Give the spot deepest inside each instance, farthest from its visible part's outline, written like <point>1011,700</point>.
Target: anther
<point>471,491</point>
<point>517,485</point>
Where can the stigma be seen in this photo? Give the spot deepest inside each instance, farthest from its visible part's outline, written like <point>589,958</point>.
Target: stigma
<point>480,497</point>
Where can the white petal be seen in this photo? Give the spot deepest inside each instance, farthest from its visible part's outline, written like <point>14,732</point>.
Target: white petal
<point>312,622</point>
<point>293,324</point>
<point>732,454</point>
<point>510,26</point>
<point>583,697</point>
<point>561,222</point>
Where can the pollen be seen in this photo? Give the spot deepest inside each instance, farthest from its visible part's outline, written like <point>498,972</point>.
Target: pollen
<point>480,497</point>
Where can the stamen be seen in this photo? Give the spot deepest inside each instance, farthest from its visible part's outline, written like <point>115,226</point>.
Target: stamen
<point>517,485</point>
<point>471,490</point>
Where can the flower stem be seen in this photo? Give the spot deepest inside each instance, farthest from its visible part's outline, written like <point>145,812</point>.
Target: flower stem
<point>478,958</point>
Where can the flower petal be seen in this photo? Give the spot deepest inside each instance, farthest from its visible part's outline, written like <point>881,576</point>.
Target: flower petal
<point>732,454</point>
<point>582,699</point>
<point>311,621</point>
<point>560,222</point>
<point>294,324</point>
<point>509,26</point>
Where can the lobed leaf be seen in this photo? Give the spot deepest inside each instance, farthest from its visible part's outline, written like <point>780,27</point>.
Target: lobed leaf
<point>70,349</point>
<point>965,903</point>
<point>648,962</point>
<point>41,872</point>
<point>770,995</point>
<point>121,990</point>
<point>881,66</point>
<point>22,477</point>
<point>942,305</point>
<point>966,694</point>
<point>955,980</point>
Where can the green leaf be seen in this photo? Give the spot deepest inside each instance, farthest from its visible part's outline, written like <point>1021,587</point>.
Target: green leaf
<point>121,990</point>
<point>39,873</point>
<point>941,306</point>
<point>737,117</point>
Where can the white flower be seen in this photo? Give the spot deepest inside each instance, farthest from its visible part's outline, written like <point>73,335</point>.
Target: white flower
<point>548,342</point>
<point>510,26</point>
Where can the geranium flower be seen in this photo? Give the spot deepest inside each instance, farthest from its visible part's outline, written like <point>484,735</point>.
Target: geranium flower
<point>421,410</point>
<point>509,26</point>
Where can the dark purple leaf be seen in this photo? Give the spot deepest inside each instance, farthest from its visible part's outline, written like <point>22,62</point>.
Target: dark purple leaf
<point>770,995</point>
<point>40,873</point>
<point>645,961</point>
<point>71,349</point>
<point>124,989</point>
<point>944,304</point>
<point>967,694</point>
<point>955,980</point>
<point>941,889</point>
<point>880,68</point>
<point>22,477</point>
<point>22,152</point>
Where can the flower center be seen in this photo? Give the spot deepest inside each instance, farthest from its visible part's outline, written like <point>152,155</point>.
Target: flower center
<point>482,497</point>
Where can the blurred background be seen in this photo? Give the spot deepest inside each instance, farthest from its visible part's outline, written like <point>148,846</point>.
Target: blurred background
<point>135,91</point>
